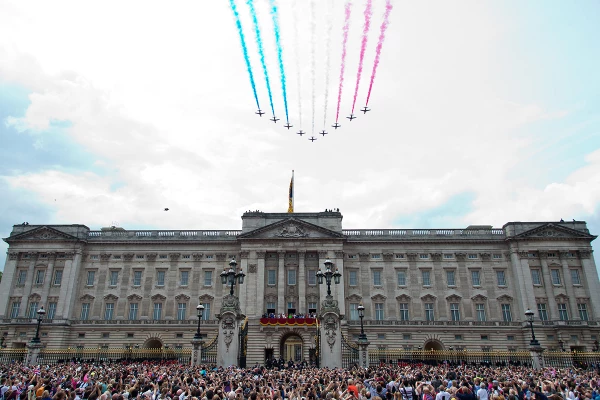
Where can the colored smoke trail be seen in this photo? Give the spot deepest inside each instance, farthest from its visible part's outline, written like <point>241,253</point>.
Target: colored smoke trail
<point>261,52</point>
<point>297,54</point>
<point>384,25</point>
<point>275,16</point>
<point>327,59</point>
<point>347,10</point>
<point>313,28</point>
<point>238,23</point>
<point>363,47</point>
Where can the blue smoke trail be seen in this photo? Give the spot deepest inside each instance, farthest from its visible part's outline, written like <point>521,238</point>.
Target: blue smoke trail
<point>244,48</point>
<point>275,16</point>
<point>259,43</point>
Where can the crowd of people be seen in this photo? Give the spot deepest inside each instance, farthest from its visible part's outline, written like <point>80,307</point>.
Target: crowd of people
<point>147,380</point>
<point>291,316</point>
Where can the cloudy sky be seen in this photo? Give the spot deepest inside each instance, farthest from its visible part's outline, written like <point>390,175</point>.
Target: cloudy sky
<point>482,113</point>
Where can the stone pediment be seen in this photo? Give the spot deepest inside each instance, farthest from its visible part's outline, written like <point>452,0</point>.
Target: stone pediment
<point>551,231</point>
<point>42,233</point>
<point>291,228</point>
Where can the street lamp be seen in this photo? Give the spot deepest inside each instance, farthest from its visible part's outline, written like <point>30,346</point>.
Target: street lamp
<point>361,315</point>
<point>231,277</point>
<point>200,311</point>
<point>529,314</point>
<point>328,274</point>
<point>41,312</point>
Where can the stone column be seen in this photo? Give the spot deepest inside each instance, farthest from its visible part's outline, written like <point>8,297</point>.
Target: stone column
<point>553,308</point>
<point>8,281</point>
<point>537,357</point>
<point>590,279</point>
<point>68,287</point>
<point>247,306</point>
<point>48,280</point>
<point>230,319</point>
<point>338,262</point>
<point>196,359</point>
<point>363,354</point>
<point>524,291</point>
<point>33,352</point>
<point>281,283</point>
<point>30,278</point>
<point>573,311</point>
<point>301,283</point>
<point>331,334</point>
<point>260,282</point>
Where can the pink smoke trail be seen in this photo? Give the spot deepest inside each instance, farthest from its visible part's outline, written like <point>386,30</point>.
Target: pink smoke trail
<point>347,8</point>
<point>384,25</point>
<point>363,48</point>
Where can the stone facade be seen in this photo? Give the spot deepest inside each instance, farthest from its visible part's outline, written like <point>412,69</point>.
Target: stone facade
<point>436,288</point>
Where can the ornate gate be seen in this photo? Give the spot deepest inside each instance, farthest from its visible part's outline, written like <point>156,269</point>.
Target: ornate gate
<point>350,355</point>
<point>209,352</point>
<point>243,336</point>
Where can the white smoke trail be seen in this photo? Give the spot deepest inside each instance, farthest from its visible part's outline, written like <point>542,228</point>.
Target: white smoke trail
<point>297,54</point>
<point>313,28</point>
<point>329,19</point>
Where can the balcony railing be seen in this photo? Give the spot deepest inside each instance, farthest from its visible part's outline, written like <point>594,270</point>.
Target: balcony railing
<point>33,321</point>
<point>164,235</point>
<point>436,323</point>
<point>424,233</point>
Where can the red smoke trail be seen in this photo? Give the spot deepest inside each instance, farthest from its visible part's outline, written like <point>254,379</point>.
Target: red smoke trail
<point>363,47</point>
<point>384,25</point>
<point>347,9</point>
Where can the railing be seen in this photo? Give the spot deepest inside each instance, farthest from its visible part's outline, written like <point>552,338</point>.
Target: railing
<point>565,359</point>
<point>142,322</point>
<point>8,356</point>
<point>34,321</point>
<point>94,354</point>
<point>350,355</point>
<point>168,235</point>
<point>435,357</point>
<point>436,323</point>
<point>209,352</point>
<point>432,233</point>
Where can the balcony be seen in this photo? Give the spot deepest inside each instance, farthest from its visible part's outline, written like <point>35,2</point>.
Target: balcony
<point>175,235</point>
<point>435,323</point>
<point>288,321</point>
<point>423,234</point>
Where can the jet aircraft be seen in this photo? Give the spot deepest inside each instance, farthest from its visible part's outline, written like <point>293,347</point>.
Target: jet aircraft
<point>312,138</point>
<point>260,113</point>
<point>301,132</point>
<point>365,110</point>
<point>288,125</point>
<point>323,132</point>
<point>351,117</point>
<point>336,125</point>
<point>274,119</point>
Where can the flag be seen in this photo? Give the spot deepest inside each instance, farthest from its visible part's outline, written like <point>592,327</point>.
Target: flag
<point>291,195</point>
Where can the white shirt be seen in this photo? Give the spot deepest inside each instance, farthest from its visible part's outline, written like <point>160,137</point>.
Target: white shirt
<point>443,395</point>
<point>482,394</point>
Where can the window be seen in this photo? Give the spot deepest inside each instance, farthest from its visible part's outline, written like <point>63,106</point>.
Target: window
<point>401,278</point>
<point>105,335</point>
<point>506,313</point>
<point>377,278</point>
<point>185,256</point>
<point>139,257</point>
<point>209,257</point>
<point>94,257</point>
<point>375,256</point>
<point>184,276</point>
<point>51,310</point>
<point>423,256</point>
<point>450,278</point>
<point>454,312</point>
<point>352,278</point>
<point>510,337</point>
<point>551,254</point>
<point>179,335</point>
<point>379,315</point>
<point>90,278</point>
<point>458,337</point>
<point>118,257</point>
<point>485,337</point>
<point>33,307</point>
<point>181,308</point>
<point>291,307</point>
<point>542,311</point>
<point>208,278</point>
<point>406,336</point>
<point>399,255</point>
<point>14,311</point>
<point>206,313</point>
<point>555,276</point>
<point>354,312</point>
<point>583,314</point>
<point>575,277</point>
<point>574,338</point>
<point>22,277</point>
<point>133,311</point>
<point>57,277</point>
<point>536,278</point>
<point>312,307</point>
<point>312,277</point>
<point>352,256</point>
<point>447,255</point>
<point>114,278</point>
<point>563,315</point>
<point>163,256</point>
<point>426,275</point>
<point>137,278</point>
<point>270,307</point>
<point>160,278</point>
<point>429,314</point>
<point>381,336</point>
<point>85,311</point>
<point>497,256</point>
<point>81,336</point>
<point>271,277</point>
<point>480,310</point>
<point>291,277</point>
<point>108,311</point>
<point>404,316</point>
<point>476,278</point>
<point>157,311</point>
<point>39,277</point>
<point>501,277</point>
<point>472,256</point>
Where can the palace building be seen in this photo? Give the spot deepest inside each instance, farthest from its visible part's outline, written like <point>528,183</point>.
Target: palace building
<point>464,288</point>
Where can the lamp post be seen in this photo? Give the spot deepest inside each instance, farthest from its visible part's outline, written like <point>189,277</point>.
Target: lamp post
<point>328,274</point>
<point>529,314</point>
<point>361,315</point>
<point>200,311</point>
<point>231,277</point>
<point>41,312</point>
